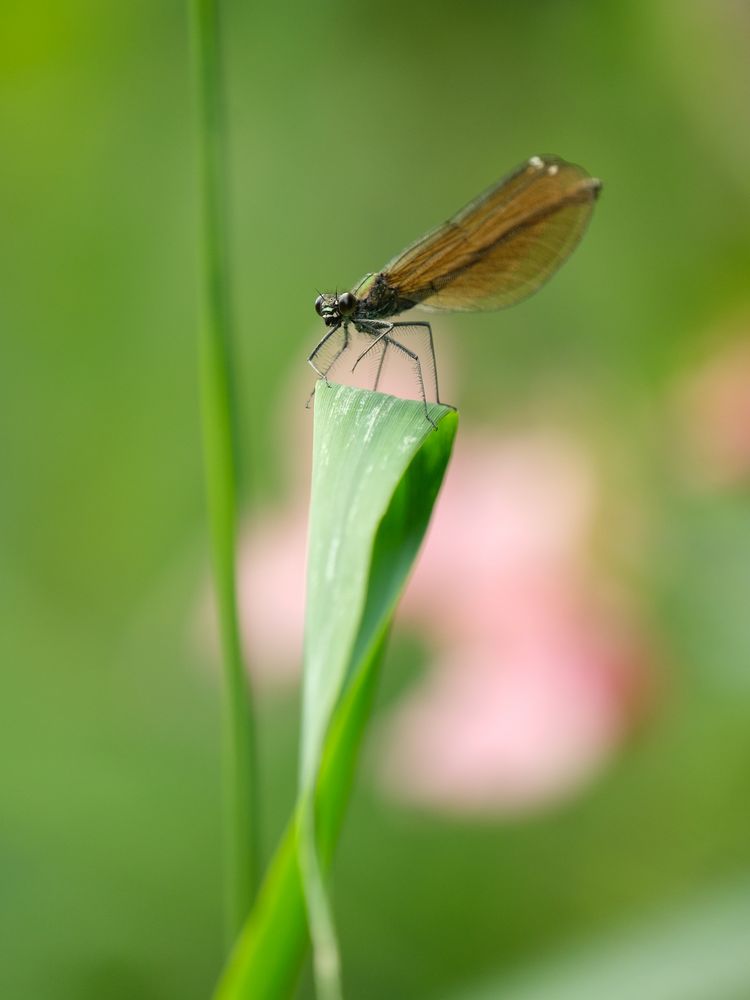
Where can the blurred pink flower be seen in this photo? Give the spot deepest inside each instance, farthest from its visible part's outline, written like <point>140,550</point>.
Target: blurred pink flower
<point>713,406</point>
<point>506,727</point>
<point>510,531</point>
<point>536,681</point>
<point>272,594</point>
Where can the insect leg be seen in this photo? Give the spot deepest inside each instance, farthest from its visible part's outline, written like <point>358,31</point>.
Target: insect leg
<point>386,342</point>
<point>418,368</point>
<point>327,367</point>
<point>340,351</point>
<point>374,331</point>
<point>336,356</point>
<point>432,370</point>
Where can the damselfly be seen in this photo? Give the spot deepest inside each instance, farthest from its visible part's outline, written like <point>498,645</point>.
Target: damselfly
<point>497,250</point>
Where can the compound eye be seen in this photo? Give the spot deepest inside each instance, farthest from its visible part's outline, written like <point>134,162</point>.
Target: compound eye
<point>347,303</point>
<point>319,305</point>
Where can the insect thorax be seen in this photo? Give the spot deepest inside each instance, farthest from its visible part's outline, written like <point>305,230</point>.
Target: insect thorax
<point>383,300</point>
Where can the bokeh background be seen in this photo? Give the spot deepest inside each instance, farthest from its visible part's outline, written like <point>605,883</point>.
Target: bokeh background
<point>355,127</point>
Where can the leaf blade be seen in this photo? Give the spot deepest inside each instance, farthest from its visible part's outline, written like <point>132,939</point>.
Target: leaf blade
<point>373,505</point>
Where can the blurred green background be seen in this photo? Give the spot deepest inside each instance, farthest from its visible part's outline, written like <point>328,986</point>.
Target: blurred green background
<point>354,127</point>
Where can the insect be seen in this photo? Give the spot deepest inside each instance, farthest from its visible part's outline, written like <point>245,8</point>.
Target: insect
<point>495,252</point>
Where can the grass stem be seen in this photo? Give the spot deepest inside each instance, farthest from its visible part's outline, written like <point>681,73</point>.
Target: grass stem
<point>220,454</point>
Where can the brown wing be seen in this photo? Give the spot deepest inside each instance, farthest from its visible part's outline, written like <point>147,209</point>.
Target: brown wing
<point>504,245</point>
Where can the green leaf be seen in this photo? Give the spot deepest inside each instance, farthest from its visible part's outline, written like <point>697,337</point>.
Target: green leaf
<point>377,468</point>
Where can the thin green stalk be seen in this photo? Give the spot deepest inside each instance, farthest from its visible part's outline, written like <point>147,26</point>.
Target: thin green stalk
<point>220,450</point>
